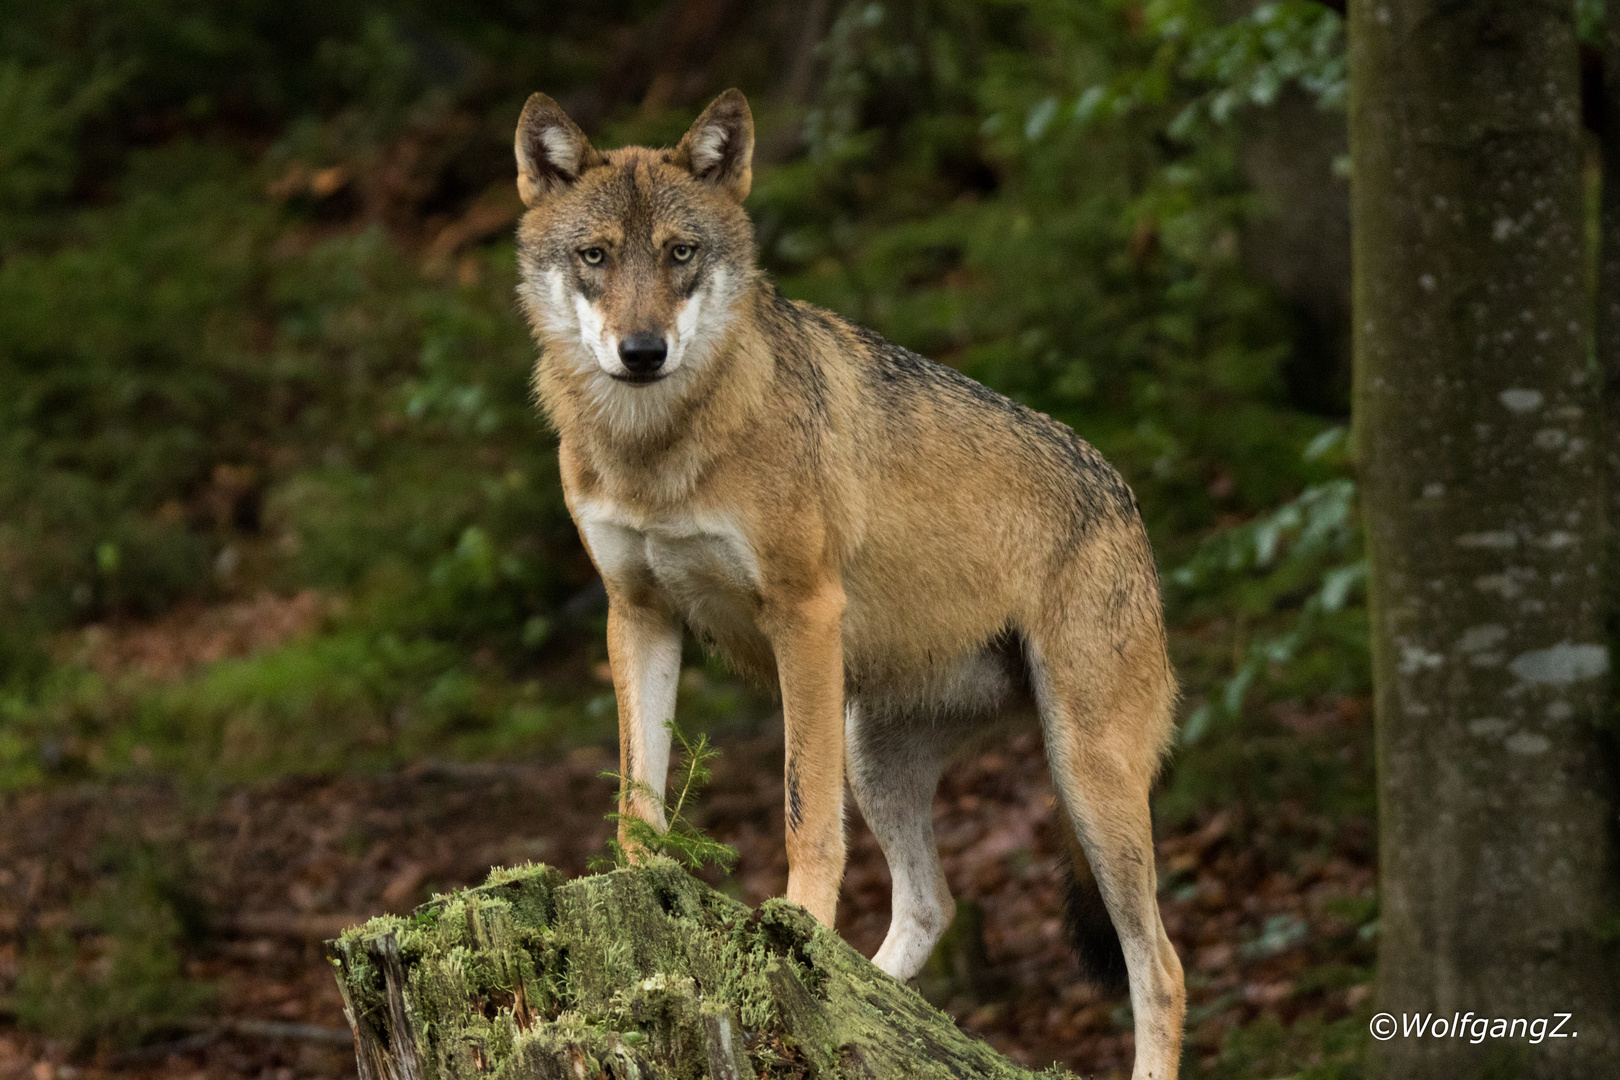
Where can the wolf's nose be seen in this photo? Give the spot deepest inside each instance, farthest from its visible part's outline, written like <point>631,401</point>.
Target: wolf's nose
<point>643,354</point>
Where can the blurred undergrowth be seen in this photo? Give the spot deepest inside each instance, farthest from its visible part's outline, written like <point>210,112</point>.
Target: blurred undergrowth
<point>131,982</point>
<point>256,332</point>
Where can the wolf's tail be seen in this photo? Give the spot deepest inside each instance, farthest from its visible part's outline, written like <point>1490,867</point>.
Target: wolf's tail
<point>1091,930</point>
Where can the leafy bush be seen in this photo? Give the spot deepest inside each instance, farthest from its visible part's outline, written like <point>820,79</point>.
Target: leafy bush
<point>1302,559</point>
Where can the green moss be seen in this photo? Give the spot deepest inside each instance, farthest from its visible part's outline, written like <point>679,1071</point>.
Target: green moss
<point>644,972</point>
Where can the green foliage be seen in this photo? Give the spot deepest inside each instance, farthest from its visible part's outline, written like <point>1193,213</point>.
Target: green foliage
<point>1272,612</point>
<point>198,370</point>
<point>355,696</point>
<point>679,839</point>
<point>136,983</point>
<point>1225,65</point>
<point>1309,547</point>
<point>1589,21</point>
<point>122,358</point>
<point>40,116</point>
<point>1250,60</point>
<point>386,443</point>
<point>1310,1049</point>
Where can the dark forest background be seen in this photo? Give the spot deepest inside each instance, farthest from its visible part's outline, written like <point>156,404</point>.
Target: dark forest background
<point>275,501</point>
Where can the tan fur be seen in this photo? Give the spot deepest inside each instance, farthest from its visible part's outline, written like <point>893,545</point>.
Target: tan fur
<point>843,520</point>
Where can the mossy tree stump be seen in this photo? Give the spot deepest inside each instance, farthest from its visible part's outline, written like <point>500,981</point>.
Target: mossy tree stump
<point>638,974</point>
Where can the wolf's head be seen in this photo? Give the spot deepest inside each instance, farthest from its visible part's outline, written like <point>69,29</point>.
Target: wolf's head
<point>632,259</point>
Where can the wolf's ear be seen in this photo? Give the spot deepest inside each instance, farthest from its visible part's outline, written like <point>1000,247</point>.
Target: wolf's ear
<point>720,146</point>
<point>551,150</point>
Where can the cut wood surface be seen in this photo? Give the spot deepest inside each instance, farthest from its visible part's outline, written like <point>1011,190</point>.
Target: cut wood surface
<point>639,973</point>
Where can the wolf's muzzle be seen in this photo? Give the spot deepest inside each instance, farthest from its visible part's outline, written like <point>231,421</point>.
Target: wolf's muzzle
<point>643,354</point>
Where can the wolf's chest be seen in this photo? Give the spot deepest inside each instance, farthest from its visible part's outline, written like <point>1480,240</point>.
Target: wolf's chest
<point>704,564</point>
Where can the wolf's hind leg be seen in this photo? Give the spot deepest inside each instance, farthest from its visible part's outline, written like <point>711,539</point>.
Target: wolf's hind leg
<point>1104,719</point>
<point>893,770</point>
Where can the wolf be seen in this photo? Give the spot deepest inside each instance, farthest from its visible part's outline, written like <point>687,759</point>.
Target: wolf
<point>904,553</point>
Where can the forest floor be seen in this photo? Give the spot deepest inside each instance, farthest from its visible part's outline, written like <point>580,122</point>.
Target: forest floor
<point>279,866</point>
<point>1266,903</point>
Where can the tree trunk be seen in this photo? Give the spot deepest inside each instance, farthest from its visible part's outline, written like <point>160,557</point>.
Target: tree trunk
<point>644,973</point>
<point>1608,290</point>
<point>1476,423</point>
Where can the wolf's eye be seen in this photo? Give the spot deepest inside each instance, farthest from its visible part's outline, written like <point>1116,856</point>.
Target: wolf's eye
<point>682,252</point>
<point>593,255</point>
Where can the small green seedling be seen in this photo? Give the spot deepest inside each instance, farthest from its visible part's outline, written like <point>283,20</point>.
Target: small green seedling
<point>680,840</point>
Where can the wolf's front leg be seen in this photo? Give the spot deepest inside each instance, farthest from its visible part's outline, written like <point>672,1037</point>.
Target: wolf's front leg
<point>644,650</point>
<point>807,636</point>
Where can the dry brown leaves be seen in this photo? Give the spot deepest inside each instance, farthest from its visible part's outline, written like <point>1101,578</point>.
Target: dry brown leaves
<point>193,636</point>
